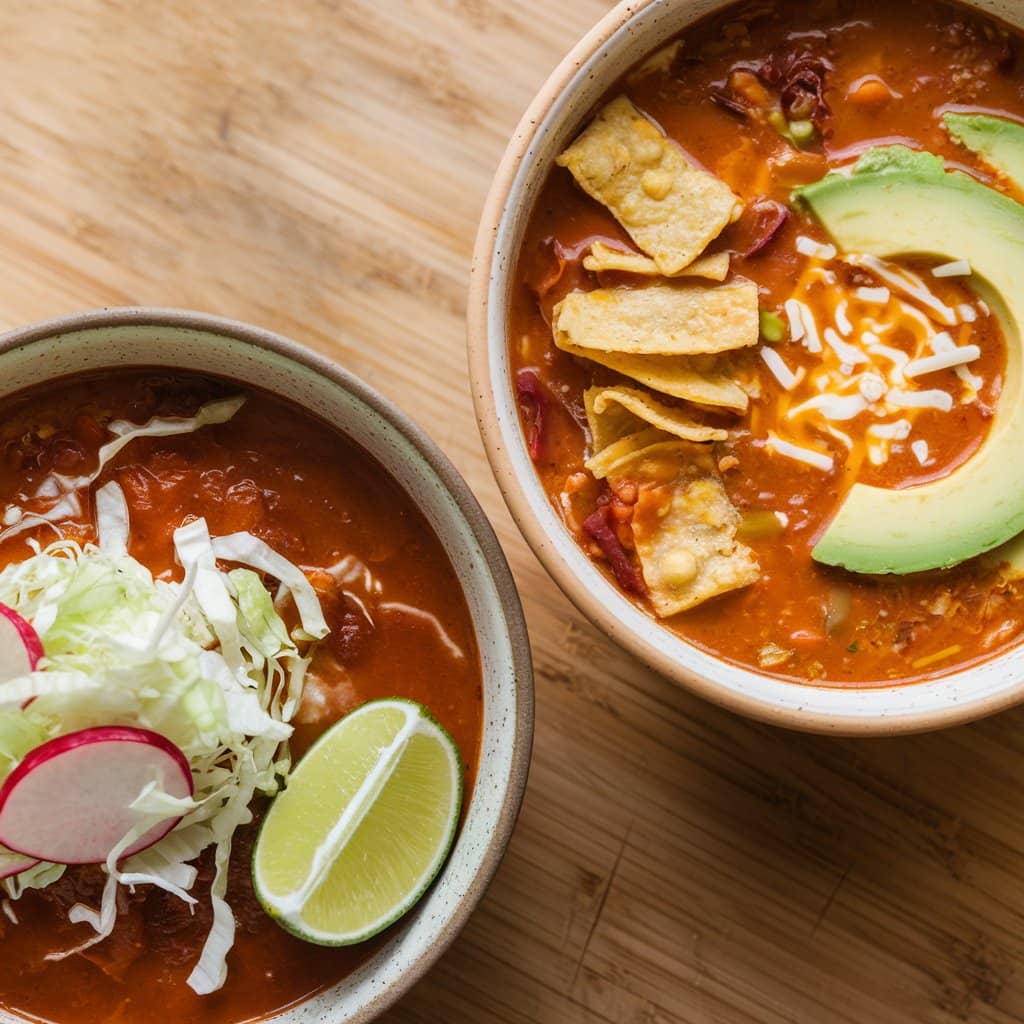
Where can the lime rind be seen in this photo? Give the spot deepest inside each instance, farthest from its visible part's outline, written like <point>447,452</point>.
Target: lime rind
<point>405,821</point>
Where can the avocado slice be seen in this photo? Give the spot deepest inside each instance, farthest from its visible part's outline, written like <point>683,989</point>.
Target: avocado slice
<point>997,140</point>
<point>900,202</point>
<point>1000,142</point>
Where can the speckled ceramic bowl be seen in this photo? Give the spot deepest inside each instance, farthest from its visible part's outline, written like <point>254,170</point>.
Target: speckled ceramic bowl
<point>634,29</point>
<point>154,337</point>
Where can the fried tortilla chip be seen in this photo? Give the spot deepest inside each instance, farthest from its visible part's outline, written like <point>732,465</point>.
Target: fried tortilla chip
<point>671,208</point>
<point>660,60</point>
<point>602,258</point>
<point>608,426</point>
<point>684,528</point>
<point>617,411</point>
<point>696,380</point>
<point>609,460</point>
<point>660,319</point>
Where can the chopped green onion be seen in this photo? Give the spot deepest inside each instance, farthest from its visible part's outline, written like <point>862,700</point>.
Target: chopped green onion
<point>802,132</point>
<point>773,330</point>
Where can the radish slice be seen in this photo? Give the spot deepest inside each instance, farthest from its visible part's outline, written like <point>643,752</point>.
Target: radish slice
<point>69,801</point>
<point>14,863</point>
<point>20,646</point>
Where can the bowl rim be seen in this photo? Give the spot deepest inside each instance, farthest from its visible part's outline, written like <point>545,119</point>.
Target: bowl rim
<point>495,564</point>
<point>483,350</point>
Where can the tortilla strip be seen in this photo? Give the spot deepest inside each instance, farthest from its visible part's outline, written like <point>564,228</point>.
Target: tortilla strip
<point>671,208</point>
<point>617,411</point>
<point>695,380</point>
<point>684,528</point>
<point>612,457</point>
<point>660,60</point>
<point>610,426</point>
<point>661,319</point>
<point>602,258</point>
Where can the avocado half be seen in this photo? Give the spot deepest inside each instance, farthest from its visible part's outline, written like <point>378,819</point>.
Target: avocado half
<point>997,140</point>
<point>898,202</point>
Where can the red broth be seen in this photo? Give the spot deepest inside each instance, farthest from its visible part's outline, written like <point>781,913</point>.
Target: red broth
<point>317,498</point>
<point>931,56</point>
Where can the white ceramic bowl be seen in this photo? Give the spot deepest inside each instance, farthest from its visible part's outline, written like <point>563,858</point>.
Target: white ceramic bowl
<point>631,31</point>
<point>153,337</point>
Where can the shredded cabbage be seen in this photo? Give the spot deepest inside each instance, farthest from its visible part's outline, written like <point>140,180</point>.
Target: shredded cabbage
<point>111,511</point>
<point>208,663</point>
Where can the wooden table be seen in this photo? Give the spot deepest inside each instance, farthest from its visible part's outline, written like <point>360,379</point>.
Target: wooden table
<point>318,166</point>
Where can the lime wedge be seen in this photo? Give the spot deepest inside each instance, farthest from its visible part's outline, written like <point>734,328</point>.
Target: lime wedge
<point>364,826</point>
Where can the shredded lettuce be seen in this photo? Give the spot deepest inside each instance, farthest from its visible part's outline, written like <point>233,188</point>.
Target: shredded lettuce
<point>207,662</point>
<point>112,519</point>
<point>257,554</point>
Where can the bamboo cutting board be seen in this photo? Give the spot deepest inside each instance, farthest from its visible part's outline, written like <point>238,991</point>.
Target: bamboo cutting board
<point>318,167</point>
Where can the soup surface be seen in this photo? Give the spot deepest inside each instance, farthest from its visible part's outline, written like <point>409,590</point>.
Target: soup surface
<point>766,97</point>
<point>399,628</point>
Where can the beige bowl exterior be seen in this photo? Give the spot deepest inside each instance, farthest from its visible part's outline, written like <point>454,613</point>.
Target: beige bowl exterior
<point>632,30</point>
<point>172,338</point>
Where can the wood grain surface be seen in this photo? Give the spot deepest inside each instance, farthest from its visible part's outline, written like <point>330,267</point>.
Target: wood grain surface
<point>318,167</point>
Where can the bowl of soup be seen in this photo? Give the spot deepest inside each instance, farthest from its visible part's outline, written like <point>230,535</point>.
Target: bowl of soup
<point>233,576</point>
<point>745,341</point>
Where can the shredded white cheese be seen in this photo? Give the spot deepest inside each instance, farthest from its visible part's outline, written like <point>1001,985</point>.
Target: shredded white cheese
<point>907,283</point>
<point>831,407</point>
<point>943,342</point>
<point>809,247</point>
<point>973,381</point>
<point>803,325</point>
<point>896,356</point>
<point>780,371</point>
<point>920,450</point>
<point>806,455</point>
<point>957,268</point>
<point>942,360</point>
<point>871,386</point>
<point>812,340</point>
<point>842,438</point>
<point>842,320</point>
<point>968,314</point>
<point>796,321</point>
<point>898,430</point>
<point>875,296</point>
<point>935,399</point>
<point>847,353</point>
